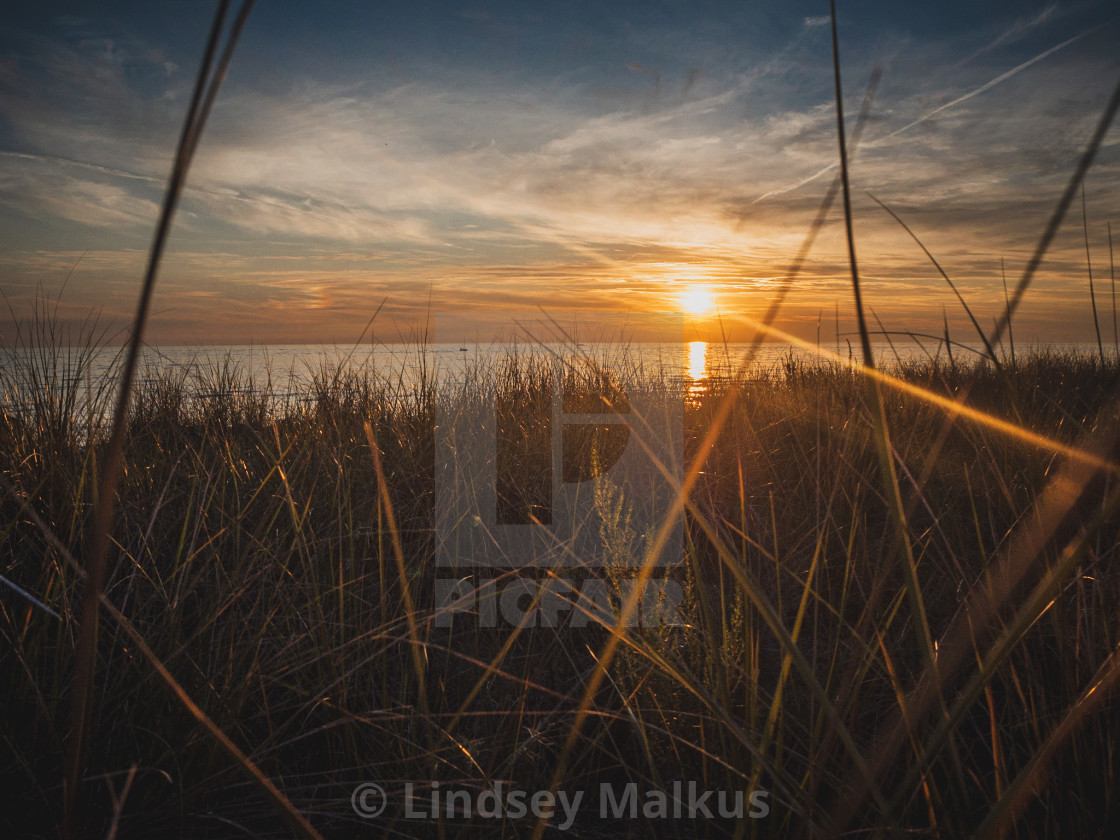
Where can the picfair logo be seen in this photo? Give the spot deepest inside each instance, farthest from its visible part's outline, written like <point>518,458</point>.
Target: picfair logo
<point>560,457</point>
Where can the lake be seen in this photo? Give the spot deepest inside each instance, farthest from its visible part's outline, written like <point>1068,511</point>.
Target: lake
<point>288,371</point>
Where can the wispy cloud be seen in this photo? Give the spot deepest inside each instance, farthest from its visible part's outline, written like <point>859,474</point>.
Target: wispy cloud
<point>484,185</point>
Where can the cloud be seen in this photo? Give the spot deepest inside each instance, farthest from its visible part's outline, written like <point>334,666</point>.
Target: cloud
<point>41,186</point>
<point>485,186</point>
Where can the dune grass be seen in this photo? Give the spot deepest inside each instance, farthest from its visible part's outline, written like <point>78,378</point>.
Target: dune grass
<point>254,555</point>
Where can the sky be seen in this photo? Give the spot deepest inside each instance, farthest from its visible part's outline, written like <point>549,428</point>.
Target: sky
<point>593,156</point>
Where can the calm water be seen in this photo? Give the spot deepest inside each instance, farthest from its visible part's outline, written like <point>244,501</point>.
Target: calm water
<point>288,371</point>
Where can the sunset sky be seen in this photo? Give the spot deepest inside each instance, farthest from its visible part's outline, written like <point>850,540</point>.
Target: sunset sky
<point>510,155</point>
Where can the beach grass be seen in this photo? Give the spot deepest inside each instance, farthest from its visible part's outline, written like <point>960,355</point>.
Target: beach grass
<point>285,577</point>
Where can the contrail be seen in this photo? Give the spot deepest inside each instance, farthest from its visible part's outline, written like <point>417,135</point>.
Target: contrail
<point>1001,78</point>
<point>984,87</point>
<point>799,184</point>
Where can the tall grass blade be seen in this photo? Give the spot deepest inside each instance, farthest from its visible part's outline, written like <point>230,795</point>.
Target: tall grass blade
<point>1007,304</point>
<point>205,90</point>
<point>968,310</point>
<point>901,544</point>
<point>1112,274</point>
<point>1089,266</point>
<point>864,336</point>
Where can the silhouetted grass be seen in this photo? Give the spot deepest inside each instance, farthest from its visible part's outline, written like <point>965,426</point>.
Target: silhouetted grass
<point>254,555</point>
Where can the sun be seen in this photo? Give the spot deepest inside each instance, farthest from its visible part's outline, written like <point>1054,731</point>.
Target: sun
<point>698,299</point>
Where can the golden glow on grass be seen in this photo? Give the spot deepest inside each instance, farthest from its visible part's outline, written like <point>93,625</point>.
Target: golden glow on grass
<point>951,406</point>
<point>698,299</point>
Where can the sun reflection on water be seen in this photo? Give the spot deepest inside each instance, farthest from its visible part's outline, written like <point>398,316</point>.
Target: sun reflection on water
<point>697,368</point>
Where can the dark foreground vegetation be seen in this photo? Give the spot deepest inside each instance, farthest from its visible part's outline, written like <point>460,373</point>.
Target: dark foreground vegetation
<point>283,576</point>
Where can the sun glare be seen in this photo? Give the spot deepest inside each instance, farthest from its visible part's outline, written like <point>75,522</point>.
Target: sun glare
<point>698,300</point>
